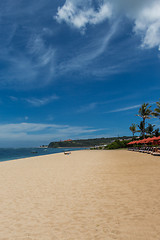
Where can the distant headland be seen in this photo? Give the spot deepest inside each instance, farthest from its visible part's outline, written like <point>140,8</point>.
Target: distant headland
<point>86,142</point>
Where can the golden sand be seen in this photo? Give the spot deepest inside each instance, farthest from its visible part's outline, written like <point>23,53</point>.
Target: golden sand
<point>88,195</point>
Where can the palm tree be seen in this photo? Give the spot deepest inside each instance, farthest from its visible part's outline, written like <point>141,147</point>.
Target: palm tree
<point>156,132</point>
<point>150,129</point>
<point>142,128</point>
<point>156,112</point>
<point>133,129</point>
<point>144,113</point>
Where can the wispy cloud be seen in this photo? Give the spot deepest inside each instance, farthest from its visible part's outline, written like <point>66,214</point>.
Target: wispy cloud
<point>32,58</point>
<point>37,102</point>
<point>41,53</point>
<point>130,107</point>
<point>91,106</point>
<point>41,133</point>
<point>125,108</point>
<point>29,61</point>
<point>86,55</point>
<point>20,8</point>
<point>87,108</point>
<point>13,98</point>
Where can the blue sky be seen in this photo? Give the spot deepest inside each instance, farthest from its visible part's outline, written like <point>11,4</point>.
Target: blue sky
<point>76,69</point>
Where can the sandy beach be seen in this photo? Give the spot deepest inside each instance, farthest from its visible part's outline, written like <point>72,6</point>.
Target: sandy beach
<point>89,195</point>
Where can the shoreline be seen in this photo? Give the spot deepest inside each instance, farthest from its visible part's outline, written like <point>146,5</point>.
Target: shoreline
<point>10,154</point>
<point>85,195</point>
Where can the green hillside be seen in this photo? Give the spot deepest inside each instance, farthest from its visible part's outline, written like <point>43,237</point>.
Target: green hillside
<point>85,142</point>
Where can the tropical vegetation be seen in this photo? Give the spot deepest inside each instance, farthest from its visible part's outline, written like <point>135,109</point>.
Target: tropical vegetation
<point>133,129</point>
<point>156,112</point>
<point>117,144</point>
<point>145,112</point>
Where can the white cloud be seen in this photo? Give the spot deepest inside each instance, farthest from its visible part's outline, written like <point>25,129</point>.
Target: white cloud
<point>79,14</point>
<point>146,17</point>
<point>145,14</point>
<point>22,134</point>
<point>147,24</point>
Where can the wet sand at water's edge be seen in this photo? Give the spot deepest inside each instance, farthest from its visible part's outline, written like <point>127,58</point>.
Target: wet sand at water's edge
<point>87,195</point>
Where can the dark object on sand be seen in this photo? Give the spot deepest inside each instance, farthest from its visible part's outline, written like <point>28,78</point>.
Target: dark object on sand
<point>67,153</point>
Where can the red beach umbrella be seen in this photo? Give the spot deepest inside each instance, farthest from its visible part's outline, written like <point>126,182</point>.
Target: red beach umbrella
<point>144,140</point>
<point>155,140</point>
<point>148,140</point>
<point>130,143</point>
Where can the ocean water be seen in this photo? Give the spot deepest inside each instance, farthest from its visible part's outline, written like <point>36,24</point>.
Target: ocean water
<point>7,154</point>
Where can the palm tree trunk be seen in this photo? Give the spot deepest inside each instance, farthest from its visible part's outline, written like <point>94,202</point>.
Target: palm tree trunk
<point>143,133</point>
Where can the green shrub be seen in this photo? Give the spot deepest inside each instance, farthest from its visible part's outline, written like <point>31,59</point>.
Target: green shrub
<point>117,144</point>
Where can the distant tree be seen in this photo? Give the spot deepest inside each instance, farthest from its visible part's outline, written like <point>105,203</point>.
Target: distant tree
<point>145,113</point>
<point>150,129</point>
<point>133,129</point>
<point>156,112</point>
<point>156,132</point>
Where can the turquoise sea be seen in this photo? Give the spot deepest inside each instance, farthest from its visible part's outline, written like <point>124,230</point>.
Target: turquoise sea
<point>7,154</point>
